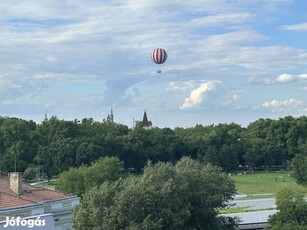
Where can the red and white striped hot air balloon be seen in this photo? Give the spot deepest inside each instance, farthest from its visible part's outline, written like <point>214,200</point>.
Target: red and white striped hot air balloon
<point>159,56</point>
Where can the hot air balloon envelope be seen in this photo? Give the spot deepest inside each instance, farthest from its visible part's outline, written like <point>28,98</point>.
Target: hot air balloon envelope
<point>159,56</point>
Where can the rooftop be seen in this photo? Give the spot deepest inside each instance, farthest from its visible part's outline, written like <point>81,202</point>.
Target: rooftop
<point>253,217</point>
<point>30,194</point>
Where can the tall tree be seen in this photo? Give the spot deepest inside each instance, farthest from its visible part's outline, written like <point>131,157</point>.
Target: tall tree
<point>184,196</point>
<point>298,168</point>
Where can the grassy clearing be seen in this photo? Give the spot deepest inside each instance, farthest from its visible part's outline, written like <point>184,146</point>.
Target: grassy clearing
<point>261,182</point>
<point>51,184</point>
<point>233,210</point>
<point>265,196</point>
<point>242,209</point>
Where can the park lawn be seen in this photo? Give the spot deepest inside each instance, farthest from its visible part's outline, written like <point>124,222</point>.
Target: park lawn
<point>51,184</point>
<point>261,182</point>
<point>233,210</point>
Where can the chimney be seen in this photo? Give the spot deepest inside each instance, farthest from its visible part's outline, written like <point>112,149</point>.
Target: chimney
<point>16,182</point>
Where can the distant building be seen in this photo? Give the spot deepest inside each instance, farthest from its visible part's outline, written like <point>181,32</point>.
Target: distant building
<point>146,124</point>
<point>21,200</point>
<point>110,117</point>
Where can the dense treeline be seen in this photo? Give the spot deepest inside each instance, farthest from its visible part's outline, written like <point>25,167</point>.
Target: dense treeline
<point>58,145</point>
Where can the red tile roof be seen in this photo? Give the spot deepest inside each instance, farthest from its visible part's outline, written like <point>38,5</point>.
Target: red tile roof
<point>30,195</point>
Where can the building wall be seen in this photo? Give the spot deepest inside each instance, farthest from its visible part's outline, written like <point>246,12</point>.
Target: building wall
<point>48,223</point>
<point>61,211</point>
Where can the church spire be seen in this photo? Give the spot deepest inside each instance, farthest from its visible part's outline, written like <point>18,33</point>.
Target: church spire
<point>145,119</point>
<point>146,123</point>
<point>46,117</point>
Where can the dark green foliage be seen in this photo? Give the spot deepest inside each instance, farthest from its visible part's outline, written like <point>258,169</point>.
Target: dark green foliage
<point>184,196</point>
<point>298,168</point>
<point>57,145</point>
<point>18,142</point>
<point>79,180</point>
<point>30,173</point>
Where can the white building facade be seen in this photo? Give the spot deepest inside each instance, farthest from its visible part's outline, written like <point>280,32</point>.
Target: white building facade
<point>34,206</point>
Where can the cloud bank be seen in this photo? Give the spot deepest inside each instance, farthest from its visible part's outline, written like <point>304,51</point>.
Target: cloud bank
<point>84,56</point>
<point>276,105</point>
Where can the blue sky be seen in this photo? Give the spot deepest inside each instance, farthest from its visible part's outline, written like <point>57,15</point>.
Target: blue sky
<point>228,60</point>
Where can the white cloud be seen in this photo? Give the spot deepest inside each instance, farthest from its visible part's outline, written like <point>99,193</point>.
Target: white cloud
<point>284,78</point>
<point>232,101</point>
<point>198,95</point>
<point>235,97</point>
<point>223,19</point>
<point>180,86</point>
<point>302,27</point>
<point>287,78</point>
<point>276,105</point>
<point>281,79</point>
<point>269,58</point>
<point>235,37</point>
<point>302,76</point>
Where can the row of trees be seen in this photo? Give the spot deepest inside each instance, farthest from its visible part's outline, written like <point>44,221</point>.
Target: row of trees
<point>56,145</point>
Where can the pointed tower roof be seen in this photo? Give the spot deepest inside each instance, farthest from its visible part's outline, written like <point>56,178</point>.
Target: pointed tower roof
<point>145,121</point>
<point>110,117</point>
<point>46,117</point>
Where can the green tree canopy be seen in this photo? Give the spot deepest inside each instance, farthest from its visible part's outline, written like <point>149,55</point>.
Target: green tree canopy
<point>292,209</point>
<point>166,196</point>
<point>56,145</point>
<point>298,169</point>
<point>79,180</point>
